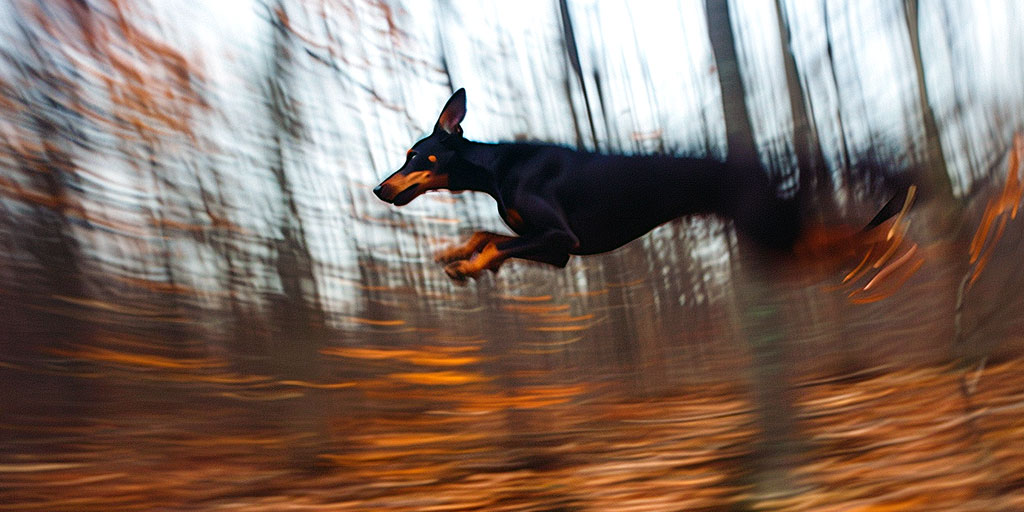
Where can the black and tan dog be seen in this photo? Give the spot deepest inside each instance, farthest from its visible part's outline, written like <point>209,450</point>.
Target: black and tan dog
<point>563,202</point>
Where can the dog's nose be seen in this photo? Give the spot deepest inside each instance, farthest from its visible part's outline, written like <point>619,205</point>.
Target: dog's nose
<point>377,191</point>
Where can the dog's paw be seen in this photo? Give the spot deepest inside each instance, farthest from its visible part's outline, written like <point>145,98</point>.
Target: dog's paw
<point>460,271</point>
<point>450,254</point>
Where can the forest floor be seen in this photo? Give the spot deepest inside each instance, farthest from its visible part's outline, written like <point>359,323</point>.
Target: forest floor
<point>891,440</point>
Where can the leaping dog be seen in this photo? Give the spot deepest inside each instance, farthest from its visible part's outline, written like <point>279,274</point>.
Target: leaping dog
<point>561,201</point>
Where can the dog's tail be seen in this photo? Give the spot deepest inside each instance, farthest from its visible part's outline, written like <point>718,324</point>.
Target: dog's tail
<point>821,241</point>
<point>898,204</point>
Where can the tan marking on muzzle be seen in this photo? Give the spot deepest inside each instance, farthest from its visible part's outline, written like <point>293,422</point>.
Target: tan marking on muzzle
<point>426,179</point>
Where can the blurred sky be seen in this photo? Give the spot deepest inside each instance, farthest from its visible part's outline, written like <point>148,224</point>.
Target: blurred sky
<point>655,55</point>
<point>369,78</point>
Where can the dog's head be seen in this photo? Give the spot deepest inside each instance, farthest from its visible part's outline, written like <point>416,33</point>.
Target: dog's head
<point>426,163</point>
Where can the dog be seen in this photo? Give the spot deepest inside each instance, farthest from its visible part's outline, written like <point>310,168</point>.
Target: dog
<point>562,202</point>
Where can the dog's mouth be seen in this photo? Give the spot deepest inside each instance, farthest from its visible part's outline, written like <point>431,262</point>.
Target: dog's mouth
<point>386,193</point>
<point>406,196</point>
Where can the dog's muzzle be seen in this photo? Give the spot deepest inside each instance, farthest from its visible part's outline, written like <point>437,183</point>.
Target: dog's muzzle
<point>400,189</point>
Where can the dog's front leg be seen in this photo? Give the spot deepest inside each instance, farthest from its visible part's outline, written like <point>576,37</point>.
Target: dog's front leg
<point>551,247</point>
<point>547,240</point>
<point>475,244</point>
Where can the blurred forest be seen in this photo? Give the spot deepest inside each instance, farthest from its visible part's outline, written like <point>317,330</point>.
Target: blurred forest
<point>204,307</point>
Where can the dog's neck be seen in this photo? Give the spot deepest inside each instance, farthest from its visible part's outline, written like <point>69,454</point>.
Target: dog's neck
<point>475,167</point>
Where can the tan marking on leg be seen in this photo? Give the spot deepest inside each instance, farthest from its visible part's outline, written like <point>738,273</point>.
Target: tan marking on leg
<point>471,246</point>
<point>489,258</point>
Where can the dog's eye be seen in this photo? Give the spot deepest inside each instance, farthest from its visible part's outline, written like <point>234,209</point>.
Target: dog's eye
<point>409,154</point>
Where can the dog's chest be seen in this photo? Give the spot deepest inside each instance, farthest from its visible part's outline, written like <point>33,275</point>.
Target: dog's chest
<point>514,220</point>
<point>507,209</point>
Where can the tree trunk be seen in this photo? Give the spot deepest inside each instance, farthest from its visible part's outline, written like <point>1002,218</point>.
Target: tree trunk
<point>759,314</point>
<point>814,178</point>
<point>738,132</point>
<point>936,183</point>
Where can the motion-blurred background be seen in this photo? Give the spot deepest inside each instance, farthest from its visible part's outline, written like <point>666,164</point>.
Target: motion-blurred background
<point>203,307</point>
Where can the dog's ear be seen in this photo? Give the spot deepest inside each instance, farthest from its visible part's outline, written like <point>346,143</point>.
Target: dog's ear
<point>453,113</point>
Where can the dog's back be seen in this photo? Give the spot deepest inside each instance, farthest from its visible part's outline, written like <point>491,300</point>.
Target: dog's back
<point>609,200</point>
